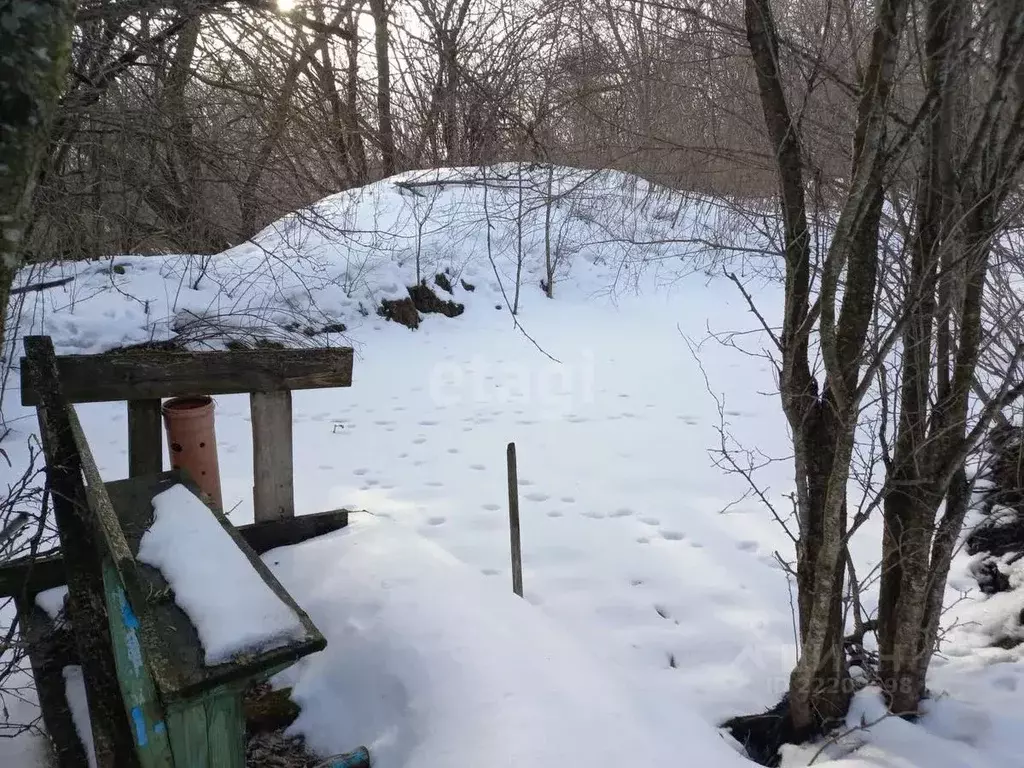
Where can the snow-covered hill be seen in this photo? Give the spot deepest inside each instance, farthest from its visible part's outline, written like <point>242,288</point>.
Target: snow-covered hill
<point>654,607</point>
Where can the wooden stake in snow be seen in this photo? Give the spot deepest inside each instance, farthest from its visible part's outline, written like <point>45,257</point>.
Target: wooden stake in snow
<point>513,520</point>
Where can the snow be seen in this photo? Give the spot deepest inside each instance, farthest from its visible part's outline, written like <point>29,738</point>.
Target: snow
<point>654,604</point>
<point>194,553</point>
<point>431,665</point>
<point>74,690</point>
<point>52,601</point>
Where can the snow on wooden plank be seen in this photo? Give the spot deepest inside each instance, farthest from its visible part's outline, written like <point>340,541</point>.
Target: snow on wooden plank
<point>231,606</point>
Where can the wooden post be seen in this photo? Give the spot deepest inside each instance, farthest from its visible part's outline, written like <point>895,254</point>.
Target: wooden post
<point>48,653</point>
<point>112,737</point>
<point>513,520</point>
<point>145,437</point>
<point>273,491</point>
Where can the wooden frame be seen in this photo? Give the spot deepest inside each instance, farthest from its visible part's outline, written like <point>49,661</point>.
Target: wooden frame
<point>144,377</point>
<point>154,703</point>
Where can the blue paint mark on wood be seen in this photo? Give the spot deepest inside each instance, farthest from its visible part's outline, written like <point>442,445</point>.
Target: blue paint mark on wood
<point>160,728</point>
<point>360,758</point>
<point>139,720</point>
<point>131,624</point>
<point>127,614</point>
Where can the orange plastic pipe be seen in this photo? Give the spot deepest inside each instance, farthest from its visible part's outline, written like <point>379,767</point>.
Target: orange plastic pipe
<point>192,441</point>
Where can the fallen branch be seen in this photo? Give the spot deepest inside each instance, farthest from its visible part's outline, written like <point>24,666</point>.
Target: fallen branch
<point>42,286</point>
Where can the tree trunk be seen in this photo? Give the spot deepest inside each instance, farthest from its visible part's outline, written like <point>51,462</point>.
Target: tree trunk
<point>916,493</point>
<point>818,689</point>
<point>382,45</point>
<point>35,48</point>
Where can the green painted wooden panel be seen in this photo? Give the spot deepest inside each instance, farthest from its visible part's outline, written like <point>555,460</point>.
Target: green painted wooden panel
<point>188,736</point>
<point>144,711</point>
<point>226,730</point>
<point>209,732</point>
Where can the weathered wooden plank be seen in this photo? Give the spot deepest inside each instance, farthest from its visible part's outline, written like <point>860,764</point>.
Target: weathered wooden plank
<point>225,730</point>
<point>188,729</point>
<point>30,577</point>
<point>87,609</point>
<point>145,437</point>
<point>168,638</point>
<point>273,493</point>
<point>103,518</point>
<point>142,707</point>
<point>151,375</point>
<point>50,649</point>
<point>268,535</point>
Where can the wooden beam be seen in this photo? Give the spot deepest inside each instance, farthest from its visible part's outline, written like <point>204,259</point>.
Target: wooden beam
<point>86,606</point>
<point>271,534</point>
<point>148,374</point>
<point>145,437</point>
<point>50,649</point>
<point>273,493</point>
<point>28,577</point>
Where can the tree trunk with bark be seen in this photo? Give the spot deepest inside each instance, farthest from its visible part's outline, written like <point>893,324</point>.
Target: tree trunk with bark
<point>385,127</point>
<point>35,48</point>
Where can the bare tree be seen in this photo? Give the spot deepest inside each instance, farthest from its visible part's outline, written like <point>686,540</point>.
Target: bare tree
<point>968,161</point>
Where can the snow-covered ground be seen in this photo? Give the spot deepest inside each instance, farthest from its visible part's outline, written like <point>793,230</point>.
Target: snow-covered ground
<point>654,607</point>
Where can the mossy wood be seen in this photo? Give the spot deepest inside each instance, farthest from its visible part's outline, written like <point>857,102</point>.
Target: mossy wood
<point>141,375</point>
<point>28,576</point>
<point>167,708</point>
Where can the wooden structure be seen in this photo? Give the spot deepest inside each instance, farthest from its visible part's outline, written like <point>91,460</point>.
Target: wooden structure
<point>142,378</point>
<point>152,700</point>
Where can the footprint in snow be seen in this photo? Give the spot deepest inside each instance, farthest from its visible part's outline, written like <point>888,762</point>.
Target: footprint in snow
<point>453,450</point>
<point>436,521</point>
<point>536,496</point>
<point>1006,683</point>
<point>361,471</point>
<point>491,507</point>
<point>555,513</point>
<point>427,423</point>
<point>489,571</point>
<point>568,500</point>
<point>419,440</point>
<point>642,540</point>
<point>525,482</point>
<point>477,467</point>
<point>673,535</point>
<point>622,512</point>
<point>652,521</point>
<point>325,467</point>
<point>434,483</point>
<point>594,515</point>
<point>747,546</point>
